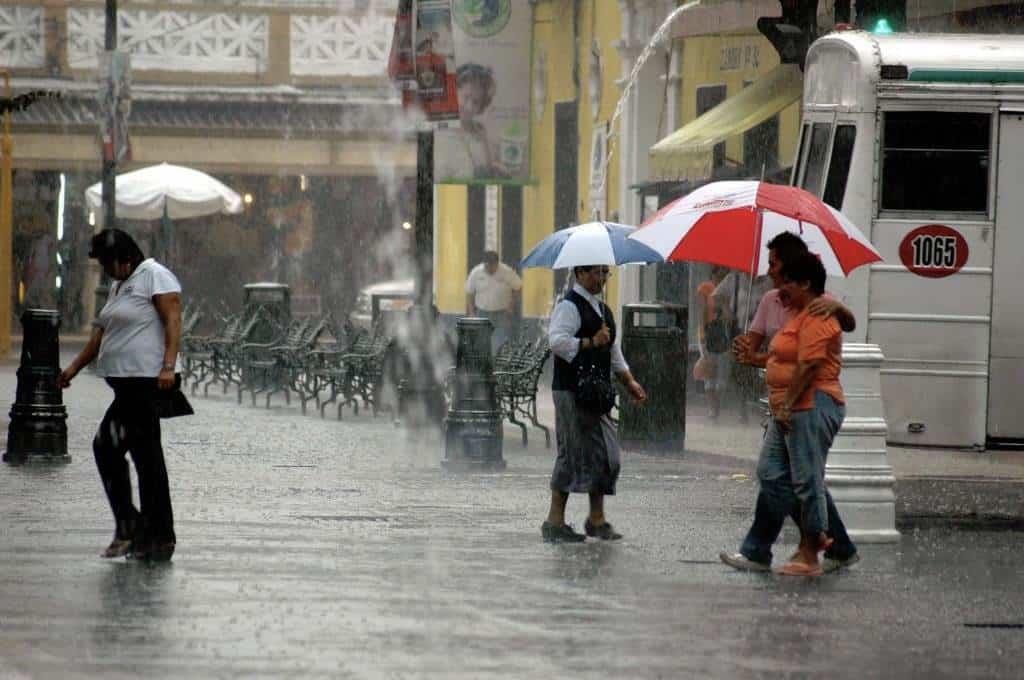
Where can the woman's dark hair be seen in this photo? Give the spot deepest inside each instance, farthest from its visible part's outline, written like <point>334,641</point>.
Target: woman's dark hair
<point>787,245</point>
<point>805,268</point>
<point>112,245</point>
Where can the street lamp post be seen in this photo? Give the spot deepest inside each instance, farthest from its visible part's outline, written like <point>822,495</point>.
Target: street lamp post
<point>108,143</point>
<point>421,398</point>
<point>110,159</point>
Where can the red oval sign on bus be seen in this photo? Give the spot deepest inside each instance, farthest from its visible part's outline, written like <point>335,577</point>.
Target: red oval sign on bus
<point>934,251</point>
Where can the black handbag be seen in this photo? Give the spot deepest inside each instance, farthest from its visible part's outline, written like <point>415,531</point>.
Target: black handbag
<point>594,391</point>
<point>172,403</point>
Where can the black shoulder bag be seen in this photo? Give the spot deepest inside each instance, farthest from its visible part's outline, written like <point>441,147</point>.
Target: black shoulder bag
<point>594,391</point>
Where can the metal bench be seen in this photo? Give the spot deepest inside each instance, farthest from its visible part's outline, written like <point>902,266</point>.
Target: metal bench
<point>517,378</point>
<point>260,369</point>
<point>358,373</point>
<point>213,359</point>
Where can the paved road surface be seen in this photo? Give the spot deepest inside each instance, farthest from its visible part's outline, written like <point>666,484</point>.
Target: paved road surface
<point>312,548</point>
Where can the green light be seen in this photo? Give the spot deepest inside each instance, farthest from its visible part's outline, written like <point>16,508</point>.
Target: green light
<point>882,27</point>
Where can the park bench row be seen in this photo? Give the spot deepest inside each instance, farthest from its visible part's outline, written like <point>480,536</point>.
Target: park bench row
<point>336,365</point>
<point>308,357</point>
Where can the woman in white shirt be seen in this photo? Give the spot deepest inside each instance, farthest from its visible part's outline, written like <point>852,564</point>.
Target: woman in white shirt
<point>135,344</point>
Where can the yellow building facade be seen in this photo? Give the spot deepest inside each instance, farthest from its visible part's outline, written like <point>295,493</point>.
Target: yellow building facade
<point>567,74</point>
<point>722,66</point>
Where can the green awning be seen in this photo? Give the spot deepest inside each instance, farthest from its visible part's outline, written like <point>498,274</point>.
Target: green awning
<point>688,153</point>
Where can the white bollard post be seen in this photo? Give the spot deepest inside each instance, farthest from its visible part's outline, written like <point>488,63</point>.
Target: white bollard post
<point>858,474</point>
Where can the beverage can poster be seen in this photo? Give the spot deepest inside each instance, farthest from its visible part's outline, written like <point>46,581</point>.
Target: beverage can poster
<point>435,60</point>
<point>489,142</point>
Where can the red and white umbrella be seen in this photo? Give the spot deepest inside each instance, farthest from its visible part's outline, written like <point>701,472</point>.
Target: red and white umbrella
<point>731,223</point>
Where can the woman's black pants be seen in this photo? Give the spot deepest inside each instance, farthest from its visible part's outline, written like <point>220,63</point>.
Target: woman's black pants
<point>131,425</point>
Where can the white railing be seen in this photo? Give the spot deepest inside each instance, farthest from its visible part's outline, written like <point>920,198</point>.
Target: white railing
<point>21,37</point>
<point>174,40</point>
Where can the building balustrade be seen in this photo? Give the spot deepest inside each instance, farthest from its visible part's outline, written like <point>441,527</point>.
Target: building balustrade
<point>261,43</point>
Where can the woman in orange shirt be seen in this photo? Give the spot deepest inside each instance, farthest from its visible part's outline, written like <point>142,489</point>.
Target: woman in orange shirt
<point>807,405</point>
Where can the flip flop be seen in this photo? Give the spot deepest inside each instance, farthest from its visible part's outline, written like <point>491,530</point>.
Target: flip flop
<point>799,569</point>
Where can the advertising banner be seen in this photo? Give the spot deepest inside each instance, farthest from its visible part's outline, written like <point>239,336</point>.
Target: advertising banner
<point>401,65</point>
<point>489,142</point>
<point>115,104</point>
<point>435,60</point>
<point>422,58</point>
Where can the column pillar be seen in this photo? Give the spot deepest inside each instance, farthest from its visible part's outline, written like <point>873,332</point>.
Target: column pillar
<point>629,286</point>
<point>858,474</point>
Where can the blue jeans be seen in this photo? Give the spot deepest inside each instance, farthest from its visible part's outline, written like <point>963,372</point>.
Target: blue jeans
<point>791,472</point>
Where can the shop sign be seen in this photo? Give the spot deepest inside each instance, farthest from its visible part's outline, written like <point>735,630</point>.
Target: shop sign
<point>739,57</point>
<point>934,251</point>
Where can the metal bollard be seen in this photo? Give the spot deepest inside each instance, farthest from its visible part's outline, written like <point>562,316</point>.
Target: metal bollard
<point>38,431</point>
<point>654,345</point>
<point>473,430</point>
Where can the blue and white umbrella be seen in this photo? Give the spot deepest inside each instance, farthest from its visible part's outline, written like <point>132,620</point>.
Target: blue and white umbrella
<point>589,244</point>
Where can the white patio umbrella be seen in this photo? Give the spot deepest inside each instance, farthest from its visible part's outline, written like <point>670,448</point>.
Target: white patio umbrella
<point>166,191</point>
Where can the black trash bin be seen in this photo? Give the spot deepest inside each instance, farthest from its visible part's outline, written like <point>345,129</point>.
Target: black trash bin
<point>654,343</point>
<point>274,300</point>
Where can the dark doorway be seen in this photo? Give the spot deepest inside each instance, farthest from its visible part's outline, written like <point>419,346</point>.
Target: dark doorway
<point>708,97</point>
<point>476,218</point>
<point>512,226</point>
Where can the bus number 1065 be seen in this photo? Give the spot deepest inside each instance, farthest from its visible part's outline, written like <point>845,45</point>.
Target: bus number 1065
<point>935,252</point>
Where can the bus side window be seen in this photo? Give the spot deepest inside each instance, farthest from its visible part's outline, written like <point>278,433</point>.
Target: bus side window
<point>839,166</point>
<point>936,161</point>
<point>798,164</point>
<point>817,156</point>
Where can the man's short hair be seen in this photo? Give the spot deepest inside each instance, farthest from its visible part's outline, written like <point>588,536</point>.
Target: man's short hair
<point>490,257</point>
<point>584,269</point>
<point>111,245</point>
<point>805,268</point>
<point>787,245</point>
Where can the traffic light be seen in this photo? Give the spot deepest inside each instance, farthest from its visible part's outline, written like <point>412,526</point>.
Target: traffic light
<point>882,16</point>
<point>792,33</point>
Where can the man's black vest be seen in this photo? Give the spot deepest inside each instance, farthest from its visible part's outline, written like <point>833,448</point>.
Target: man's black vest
<point>590,323</point>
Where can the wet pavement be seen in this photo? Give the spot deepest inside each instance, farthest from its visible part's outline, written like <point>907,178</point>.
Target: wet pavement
<point>312,548</point>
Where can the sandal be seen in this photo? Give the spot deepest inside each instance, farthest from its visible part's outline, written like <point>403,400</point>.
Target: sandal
<point>794,568</point>
<point>124,534</point>
<point>119,547</point>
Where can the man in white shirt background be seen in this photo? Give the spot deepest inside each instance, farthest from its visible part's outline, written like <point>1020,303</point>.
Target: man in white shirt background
<point>492,292</point>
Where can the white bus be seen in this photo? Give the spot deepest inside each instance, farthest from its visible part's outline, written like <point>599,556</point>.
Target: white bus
<point>919,139</point>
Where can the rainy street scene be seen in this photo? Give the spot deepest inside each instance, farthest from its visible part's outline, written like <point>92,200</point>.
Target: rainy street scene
<point>511,339</point>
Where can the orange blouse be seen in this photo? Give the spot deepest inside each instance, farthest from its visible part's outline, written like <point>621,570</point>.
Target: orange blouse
<point>805,338</point>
